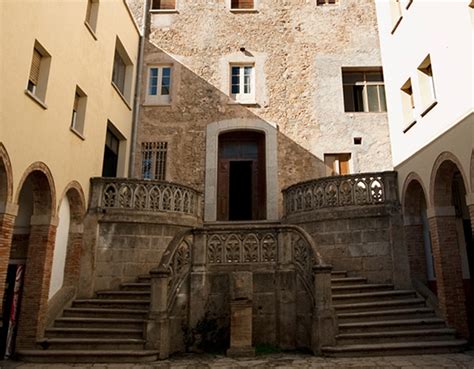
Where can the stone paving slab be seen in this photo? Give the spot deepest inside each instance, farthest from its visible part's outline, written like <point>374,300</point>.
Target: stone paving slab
<point>277,361</point>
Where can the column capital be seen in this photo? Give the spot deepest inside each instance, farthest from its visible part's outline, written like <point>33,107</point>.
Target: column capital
<point>470,199</point>
<point>9,208</point>
<point>441,211</point>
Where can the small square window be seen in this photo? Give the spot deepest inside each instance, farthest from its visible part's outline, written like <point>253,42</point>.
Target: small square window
<point>39,73</point>
<point>327,2</point>
<point>242,83</point>
<point>337,164</point>
<point>242,4</point>
<point>159,85</point>
<point>163,4</point>
<point>364,91</point>
<point>79,112</point>
<point>357,140</point>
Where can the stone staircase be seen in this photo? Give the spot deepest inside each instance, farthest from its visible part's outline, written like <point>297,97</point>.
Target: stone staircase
<point>105,329</point>
<point>376,319</point>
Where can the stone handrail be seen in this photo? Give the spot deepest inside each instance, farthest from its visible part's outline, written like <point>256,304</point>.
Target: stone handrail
<point>340,191</point>
<point>144,195</point>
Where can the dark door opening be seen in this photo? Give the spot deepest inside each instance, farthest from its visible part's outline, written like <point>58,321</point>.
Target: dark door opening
<point>111,151</point>
<point>240,190</point>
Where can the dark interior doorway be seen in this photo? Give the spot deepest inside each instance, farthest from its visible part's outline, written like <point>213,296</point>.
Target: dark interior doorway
<point>111,153</point>
<point>241,187</point>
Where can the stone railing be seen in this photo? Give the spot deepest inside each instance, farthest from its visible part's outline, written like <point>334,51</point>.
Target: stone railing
<point>220,248</point>
<point>339,191</point>
<point>144,196</point>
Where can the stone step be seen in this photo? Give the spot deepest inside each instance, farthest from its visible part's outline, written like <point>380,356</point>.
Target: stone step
<point>62,332</point>
<point>391,325</point>
<point>144,278</point>
<point>87,356</point>
<point>380,305</point>
<point>339,274</point>
<point>347,280</point>
<point>399,348</point>
<point>92,344</point>
<point>372,296</point>
<point>135,286</point>
<point>80,322</point>
<point>113,303</point>
<point>414,313</point>
<point>360,288</point>
<point>443,334</point>
<point>105,313</point>
<point>124,295</point>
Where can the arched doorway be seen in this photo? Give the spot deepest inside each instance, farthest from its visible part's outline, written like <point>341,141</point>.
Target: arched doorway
<point>417,234</point>
<point>29,266</point>
<point>241,185</point>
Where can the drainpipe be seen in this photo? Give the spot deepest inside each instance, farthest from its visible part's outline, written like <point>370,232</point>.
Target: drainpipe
<point>138,88</point>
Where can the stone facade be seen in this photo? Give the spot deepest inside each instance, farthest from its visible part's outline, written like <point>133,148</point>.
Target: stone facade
<point>298,51</point>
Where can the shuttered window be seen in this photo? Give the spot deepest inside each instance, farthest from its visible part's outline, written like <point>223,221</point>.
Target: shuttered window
<point>327,2</point>
<point>34,71</point>
<point>163,4</point>
<point>337,164</point>
<point>154,160</point>
<point>242,4</point>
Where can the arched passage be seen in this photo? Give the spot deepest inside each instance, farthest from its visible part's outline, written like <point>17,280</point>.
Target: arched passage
<point>417,234</point>
<point>30,258</point>
<point>451,241</point>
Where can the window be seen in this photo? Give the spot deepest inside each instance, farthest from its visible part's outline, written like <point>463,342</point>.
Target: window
<point>408,104</point>
<point>111,152</point>
<point>364,91</point>
<point>122,72</point>
<point>159,85</point>
<point>163,5</point>
<point>39,72</point>
<point>427,87</point>
<point>242,4</point>
<point>337,164</point>
<point>396,13</point>
<point>326,2</point>
<point>154,160</point>
<point>242,84</point>
<point>92,13</point>
<point>78,112</point>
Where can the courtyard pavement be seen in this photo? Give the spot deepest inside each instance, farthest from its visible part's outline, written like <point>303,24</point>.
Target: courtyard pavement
<point>276,361</point>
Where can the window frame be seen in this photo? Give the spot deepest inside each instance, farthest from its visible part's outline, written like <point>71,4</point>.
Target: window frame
<point>126,92</point>
<point>243,98</point>
<point>243,10</point>
<point>408,105</point>
<point>382,103</point>
<point>427,86</point>
<point>159,98</point>
<point>330,171</point>
<point>164,10</point>
<point>38,92</point>
<point>327,2</point>
<point>155,155</point>
<point>92,16</point>
<point>79,113</point>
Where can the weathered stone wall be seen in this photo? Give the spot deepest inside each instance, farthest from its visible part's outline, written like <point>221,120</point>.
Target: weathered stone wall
<point>298,50</point>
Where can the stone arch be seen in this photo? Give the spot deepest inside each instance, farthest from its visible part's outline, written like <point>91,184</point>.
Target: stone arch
<point>44,191</point>
<point>6,177</point>
<point>444,168</point>
<point>213,131</point>
<point>416,231</point>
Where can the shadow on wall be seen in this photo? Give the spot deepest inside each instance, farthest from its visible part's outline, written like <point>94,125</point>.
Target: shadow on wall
<point>195,103</point>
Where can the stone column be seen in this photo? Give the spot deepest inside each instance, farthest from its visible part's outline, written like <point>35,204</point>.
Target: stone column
<point>241,314</point>
<point>414,240</point>
<point>324,317</point>
<point>158,326</point>
<point>448,268</point>
<point>7,222</point>
<point>34,303</point>
<point>199,286</point>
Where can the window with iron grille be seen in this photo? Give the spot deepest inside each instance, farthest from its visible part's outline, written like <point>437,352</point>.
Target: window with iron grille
<point>327,2</point>
<point>154,160</point>
<point>242,4</point>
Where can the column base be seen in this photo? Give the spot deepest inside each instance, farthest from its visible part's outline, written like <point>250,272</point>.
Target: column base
<point>241,352</point>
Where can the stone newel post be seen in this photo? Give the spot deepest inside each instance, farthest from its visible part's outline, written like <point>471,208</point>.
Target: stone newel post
<point>157,330</point>
<point>324,317</point>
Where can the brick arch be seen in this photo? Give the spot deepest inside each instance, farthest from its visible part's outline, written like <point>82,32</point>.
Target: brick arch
<point>6,177</point>
<point>414,195</point>
<point>77,201</point>
<point>44,191</point>
<point>472,171</point>
<point>444,168</point>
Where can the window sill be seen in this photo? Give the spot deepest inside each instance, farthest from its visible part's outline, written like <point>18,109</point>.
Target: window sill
<point>365,112</point>
<point>428,108</point>
<point>409,125</point>
<point>121,96</point>
<point>36,99</point>
<point>397,23</point>
<point>244,10</point>
<point>244,103</point>
<point>91,31</point>
<point>164,11</point>
<point>163,104</point>
<point>77,133</point>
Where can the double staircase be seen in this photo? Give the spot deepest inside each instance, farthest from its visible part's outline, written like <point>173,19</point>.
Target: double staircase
<point>376,319</point>
<point>107,328</point>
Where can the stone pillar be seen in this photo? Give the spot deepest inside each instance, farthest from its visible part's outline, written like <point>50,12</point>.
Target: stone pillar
<point>199,287</point>
<point>7,222</point>
<point>158,325</point>
<point>447,263</point>
<point>241,314</point>
<point>324,328</point>
<point>414,240</point>
<point>34,303</point>
<point>470,205</point>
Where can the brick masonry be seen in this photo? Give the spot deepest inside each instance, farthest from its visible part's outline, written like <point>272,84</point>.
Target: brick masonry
<point>6,232</point>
